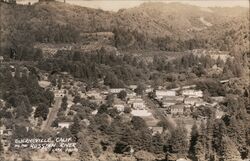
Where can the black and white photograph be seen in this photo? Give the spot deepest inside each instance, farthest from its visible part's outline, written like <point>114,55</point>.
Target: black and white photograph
<point>124,80</point>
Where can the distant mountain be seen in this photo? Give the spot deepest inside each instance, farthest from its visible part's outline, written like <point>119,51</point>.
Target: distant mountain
<point>172,26</point>
<point>184,22</point>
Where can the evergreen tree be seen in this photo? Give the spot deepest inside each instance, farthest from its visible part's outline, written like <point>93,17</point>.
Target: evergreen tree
<point>229,150</point>
<point>199,150</point>
<point>75,127</point>
<point>122,95</point>
<point>140,89</point>
<point>1,147</point>
<point>59,83</point>
<point>157,144</point>
<point>193,141</point>
<point>138,123</point>
<point>64,104</point>
<point>237,132</point>
<point>219,131</point>
<point>42,111</point>
<point>209,138</point>
<point>23,110</point>
<point>178,142</point>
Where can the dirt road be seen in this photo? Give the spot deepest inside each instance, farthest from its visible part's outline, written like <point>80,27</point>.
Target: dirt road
<point>52,114</point>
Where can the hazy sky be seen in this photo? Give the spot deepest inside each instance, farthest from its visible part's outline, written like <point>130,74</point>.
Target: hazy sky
<point>115,5</point>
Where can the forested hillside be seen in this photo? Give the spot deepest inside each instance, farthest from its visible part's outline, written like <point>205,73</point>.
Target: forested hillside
<point>171,27</point>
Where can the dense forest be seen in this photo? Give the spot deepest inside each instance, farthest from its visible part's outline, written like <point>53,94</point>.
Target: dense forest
<point>25,25</point>
<point>118,71</point>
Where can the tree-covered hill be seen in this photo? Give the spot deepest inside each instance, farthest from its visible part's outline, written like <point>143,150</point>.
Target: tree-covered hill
<point>172,27</point>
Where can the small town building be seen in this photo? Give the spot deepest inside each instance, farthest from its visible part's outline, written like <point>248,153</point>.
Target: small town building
<point>156,129</point>
<point>120,107</point>
<point>132,87</point>
<point>177,109</point>
<point>105,93</point>
<point>94,112</point>
<point>188,86</point>
<point>138,105</point>
<point>218,99</point>
<point>200,103</point>
<point>116,90</point>
<point>173,98</point>
<point>131,94</point>
<point>193,101</point>
<point>159,94</point>
<point>134,99</point>
<point>141,113</point>
<point>44,84</point>
<point>224,81</point>
<point>168,103</point>
<point>182,159</point>
<point>64,124</point>
<point>192,93</point>
<point>10,1</point>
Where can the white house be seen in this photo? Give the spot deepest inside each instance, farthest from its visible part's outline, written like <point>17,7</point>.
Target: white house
<point>192,93</point>
<point>120,107</point>
<point>200,103</point>
<point>177,109</point>
<point>182,159</point>
<point>116,90</point>
<point>44,84</point>
<point>132,87</point>
<point>193,101</point>
<point>168,103</point>
<point>164,93</point>
<point>94,112</point>
<point>141,113</point>
<point>10,1</point>
<point>218,99</point>
<point>173,98</point>
<point>134,99</point>
<point>64,124</point>
<point>138,105</point>
<point>189,86</point>
<point>131,94</point>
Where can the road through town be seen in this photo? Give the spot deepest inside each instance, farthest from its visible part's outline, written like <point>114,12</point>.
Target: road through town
<point>52,114</point>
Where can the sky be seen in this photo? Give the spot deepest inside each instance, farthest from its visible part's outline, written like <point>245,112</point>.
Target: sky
<point>115,5</point>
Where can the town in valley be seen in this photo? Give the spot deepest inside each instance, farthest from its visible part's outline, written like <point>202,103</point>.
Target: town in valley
<point>157,82</point>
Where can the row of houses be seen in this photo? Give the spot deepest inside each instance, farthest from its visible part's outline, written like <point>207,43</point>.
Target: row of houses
<point>179,101</point>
